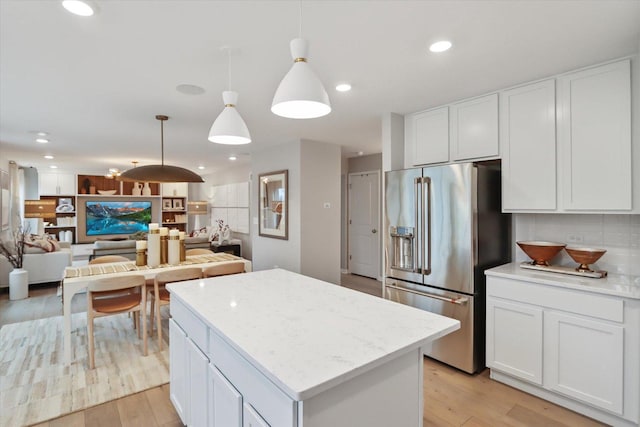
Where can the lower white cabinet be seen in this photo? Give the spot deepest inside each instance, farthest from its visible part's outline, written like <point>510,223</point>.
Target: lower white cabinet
<point>573,347</point>
<point>252,418</point>
<point>178,375</point>
<point>197,385</point>
<point>226,401</point>
<point>515,341</point>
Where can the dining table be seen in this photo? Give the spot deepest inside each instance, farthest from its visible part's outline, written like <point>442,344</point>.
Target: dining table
<point>77,278</point>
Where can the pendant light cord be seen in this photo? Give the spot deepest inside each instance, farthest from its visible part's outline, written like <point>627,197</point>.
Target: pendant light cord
<point>228,68</point>
<point>300,22</point>
<point>162,142</point>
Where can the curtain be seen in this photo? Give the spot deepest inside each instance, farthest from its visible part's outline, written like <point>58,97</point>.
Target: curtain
<point>15,204</point>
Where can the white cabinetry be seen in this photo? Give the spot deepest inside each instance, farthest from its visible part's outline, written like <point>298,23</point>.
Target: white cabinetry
<point>528,135</point>
<point>516,339</point>
<point>574,347</point>
<point>427,137</point>
<point>178,374</point>
<point>175,189</point>
<point>252,418</point>
<point>474,128</point>
<point>226,402</point>
<point>594,129</point>
<point>53,184</point>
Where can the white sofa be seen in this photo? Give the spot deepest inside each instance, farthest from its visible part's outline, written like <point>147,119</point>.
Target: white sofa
<point>42,267</point>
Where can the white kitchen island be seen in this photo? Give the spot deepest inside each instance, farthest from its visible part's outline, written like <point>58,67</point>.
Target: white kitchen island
<point>275,348</point>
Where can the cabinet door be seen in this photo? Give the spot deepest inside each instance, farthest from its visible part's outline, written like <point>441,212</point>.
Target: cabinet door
<point>225,401</point>
<point>251,418</point>
<point>514,339</point>
<point>47,184</point>
<point>474,128</point>
<point>595,138</point>
<point>528,135</point>
<point>175,189</point>
<point>178,370</point>
<point>67,184</point>
<point>197,385</point>
<point>584,360</point>
<point>427,137</point>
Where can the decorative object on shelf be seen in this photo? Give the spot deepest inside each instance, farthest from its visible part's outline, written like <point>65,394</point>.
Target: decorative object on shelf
<point>107,192</point>
<point>273,205</point>
<point>137,189</point>
<point>177,204</point>
<point>585,256</point>
<point>86,185</point>
<point>161,172</point>
<point>228,127</point>
<point>300,94</point>
<point>92,189</point>
<point>541,252</point>
<point>14,253</point>
<point>146,190</point>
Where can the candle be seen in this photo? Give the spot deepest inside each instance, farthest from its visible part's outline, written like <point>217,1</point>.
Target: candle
<point>174,232</point>
<point>164,231</point>
<point>153,246</point>
<point>153,226</point>
<point>141,244</point>
<point>164,249</point>
<point>173,257</point>
<point>183,251</point>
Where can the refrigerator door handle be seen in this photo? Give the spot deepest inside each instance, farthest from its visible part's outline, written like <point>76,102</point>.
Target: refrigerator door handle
<point>459,301</point>
<point>426,229</point>
<point>417,258</point>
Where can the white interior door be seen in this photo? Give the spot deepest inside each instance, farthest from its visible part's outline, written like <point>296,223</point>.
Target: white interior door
<point>364,224</point>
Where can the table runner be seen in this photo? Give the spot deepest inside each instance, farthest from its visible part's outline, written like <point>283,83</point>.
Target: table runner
<point>123,267</point>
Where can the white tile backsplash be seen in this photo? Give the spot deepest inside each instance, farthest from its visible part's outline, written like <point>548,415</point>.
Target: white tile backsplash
<point>618,234</point>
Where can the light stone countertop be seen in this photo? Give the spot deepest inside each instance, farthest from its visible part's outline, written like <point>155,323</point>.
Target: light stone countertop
<point>615,284</point>
<point>304,334</point>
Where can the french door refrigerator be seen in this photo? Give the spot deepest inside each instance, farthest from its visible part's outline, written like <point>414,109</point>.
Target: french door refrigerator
<point>444,228</point>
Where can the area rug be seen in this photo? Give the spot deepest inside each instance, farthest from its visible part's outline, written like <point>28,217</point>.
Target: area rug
<point>35,385</point>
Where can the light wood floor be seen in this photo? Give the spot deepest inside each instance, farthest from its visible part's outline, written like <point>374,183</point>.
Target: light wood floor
<point>451,397</point>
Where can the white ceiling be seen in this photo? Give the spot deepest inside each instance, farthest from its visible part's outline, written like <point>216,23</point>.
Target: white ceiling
<point>95,84</point>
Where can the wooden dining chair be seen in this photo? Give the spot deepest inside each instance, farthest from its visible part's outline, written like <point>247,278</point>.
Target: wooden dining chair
<point>199,251</point>
<point>223,269</point>
<point>103,300</point>
<point>108,258</point>
<point>159,295</point>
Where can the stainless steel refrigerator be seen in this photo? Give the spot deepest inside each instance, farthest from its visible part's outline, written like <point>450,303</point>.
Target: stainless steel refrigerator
<point>444,228</point>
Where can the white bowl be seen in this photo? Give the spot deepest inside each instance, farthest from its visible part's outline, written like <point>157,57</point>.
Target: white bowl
<point>107,192</point>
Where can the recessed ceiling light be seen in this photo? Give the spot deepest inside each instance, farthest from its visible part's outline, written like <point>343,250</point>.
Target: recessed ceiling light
<point>48,157</point>
<point>440,46</point>
<point>343,87</point>
<point>42,140</point>
<point>190,89</point>
<point>53,166</point>
<point>360,153</point>
<point>201,167</point>
<point>233,158</point>
<point>77,7</point>
<point>42,134</point>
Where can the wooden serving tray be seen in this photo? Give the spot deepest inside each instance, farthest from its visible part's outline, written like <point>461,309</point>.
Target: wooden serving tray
<point>564,270</point>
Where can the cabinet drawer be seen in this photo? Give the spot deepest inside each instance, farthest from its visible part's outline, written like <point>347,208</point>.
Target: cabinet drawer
<point>273,404</point>
<point>195,328</point>
<point>570,300</point>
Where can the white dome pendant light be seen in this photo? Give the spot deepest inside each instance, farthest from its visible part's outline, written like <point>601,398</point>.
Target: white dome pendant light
<point>300,94</point>
<point>229,128</point>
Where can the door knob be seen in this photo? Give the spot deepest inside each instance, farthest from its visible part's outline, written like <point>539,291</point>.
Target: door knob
<point>374,231</point>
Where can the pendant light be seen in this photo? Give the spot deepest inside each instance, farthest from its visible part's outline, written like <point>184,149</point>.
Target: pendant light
<point>229,128</point>
<point>161,172</point>
<point>300,94</point>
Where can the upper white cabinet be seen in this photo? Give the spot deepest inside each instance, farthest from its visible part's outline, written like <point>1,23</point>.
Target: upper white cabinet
<point>427,137</point>
<point>175,189</point>
<point>528,134</point>
<point>474,128</point>
<point>54,184</point>
<point>594,131</point>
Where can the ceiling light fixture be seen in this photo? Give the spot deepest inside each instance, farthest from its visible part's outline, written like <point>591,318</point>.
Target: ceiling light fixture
<point>229,128</point>
<point>53,166</point>
<point>300,94</point>
<point>42,133</point>
<point>113,173</point>
<point>77,7</point>
<point>440,46</point>
<point>201,167</point>
<point>48,157</point>
<point>161,172</point>
<point>42,140</point>
<point>233,158</point>
<point>343,87</point>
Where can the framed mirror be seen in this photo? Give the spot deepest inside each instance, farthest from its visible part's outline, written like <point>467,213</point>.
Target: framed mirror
<point>273,206</point>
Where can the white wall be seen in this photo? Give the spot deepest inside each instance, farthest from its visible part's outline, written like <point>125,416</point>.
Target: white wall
<point>269,252</point>
<point>320,225</point>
